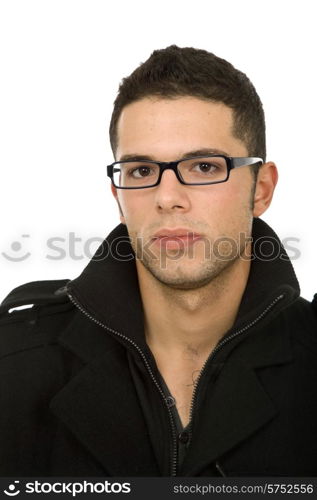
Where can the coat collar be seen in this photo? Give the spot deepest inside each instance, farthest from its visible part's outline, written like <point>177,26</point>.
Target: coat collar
<point>108,287</point>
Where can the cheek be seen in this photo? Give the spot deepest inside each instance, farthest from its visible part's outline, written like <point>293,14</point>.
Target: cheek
<point>227,206</point>
<point>134,207</point>
<point>240,188</point>
<point>221,198</point>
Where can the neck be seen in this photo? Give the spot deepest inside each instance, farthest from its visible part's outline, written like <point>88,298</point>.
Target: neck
<point>191,321</point>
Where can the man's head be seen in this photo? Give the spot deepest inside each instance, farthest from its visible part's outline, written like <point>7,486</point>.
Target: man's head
<point>177,104</point>
<point>177,72</point>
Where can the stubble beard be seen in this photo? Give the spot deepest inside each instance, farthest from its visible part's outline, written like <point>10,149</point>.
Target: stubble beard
<point>189,269</point>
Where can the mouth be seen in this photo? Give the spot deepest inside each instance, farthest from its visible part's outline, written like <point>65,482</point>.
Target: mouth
<point>175,239</point>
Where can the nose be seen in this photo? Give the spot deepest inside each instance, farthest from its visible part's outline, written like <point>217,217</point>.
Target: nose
<point>171,195</point>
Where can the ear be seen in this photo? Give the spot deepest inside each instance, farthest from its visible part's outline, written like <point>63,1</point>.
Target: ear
<point>115,194</point>
<point>265,185</point>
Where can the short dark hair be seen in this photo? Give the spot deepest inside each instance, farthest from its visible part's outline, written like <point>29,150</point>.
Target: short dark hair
<point>175,72</point>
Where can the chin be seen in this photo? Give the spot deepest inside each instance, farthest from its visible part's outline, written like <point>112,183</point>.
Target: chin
<point>186,277</point>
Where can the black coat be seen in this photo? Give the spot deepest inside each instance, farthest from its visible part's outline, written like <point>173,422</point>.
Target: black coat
<point>80,392</point>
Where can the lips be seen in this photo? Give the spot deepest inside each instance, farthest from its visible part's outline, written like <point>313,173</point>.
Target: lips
<point>175,239</point>
<point>175,233</point>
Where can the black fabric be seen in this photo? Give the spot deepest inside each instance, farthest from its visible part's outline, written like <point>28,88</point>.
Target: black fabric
<point>183,433</point>
<point>81,394</point>
<point>35,292</point>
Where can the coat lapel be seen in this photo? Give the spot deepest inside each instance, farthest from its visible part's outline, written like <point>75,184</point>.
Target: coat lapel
<point>236,408</point>
<point>100,407</point>
<point>237,405</point>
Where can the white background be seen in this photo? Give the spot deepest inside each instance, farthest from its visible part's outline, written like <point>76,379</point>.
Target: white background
<point>61,63</point>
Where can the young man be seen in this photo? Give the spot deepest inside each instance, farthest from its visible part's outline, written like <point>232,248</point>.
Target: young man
<point>183,348</point>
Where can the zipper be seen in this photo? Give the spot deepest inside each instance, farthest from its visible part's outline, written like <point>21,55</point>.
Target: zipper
<point>218,347</point>
<point>167,400</point>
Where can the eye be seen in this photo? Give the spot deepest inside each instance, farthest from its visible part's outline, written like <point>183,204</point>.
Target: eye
<point>205,167</point>
<point>139,172</point>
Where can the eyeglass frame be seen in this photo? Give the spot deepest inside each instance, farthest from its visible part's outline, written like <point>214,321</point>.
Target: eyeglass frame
<point>231,162</point>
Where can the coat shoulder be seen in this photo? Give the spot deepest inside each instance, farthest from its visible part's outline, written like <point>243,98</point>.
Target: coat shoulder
<point>305,311</point>
<point>35,292</point>
<point>314,305</point>
<point>301,317</point>
<point>33,314</point>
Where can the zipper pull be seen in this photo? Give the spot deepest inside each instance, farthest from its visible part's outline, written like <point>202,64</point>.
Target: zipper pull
<point>170,401</point>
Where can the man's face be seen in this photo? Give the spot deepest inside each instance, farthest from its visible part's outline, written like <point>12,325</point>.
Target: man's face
<point>168,130</point>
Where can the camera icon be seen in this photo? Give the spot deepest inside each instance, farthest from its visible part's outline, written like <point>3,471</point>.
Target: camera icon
<point>12,489</point>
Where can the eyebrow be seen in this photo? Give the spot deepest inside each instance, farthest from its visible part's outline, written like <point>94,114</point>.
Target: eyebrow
<point>189,154</point>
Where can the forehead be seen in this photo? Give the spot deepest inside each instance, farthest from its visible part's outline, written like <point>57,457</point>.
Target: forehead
<point>167,128</point>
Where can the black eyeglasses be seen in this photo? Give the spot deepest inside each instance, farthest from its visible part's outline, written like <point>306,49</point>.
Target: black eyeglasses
<point>196,171</point>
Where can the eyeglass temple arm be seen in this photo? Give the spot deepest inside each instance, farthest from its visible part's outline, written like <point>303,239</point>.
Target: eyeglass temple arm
<point>242,162</point>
